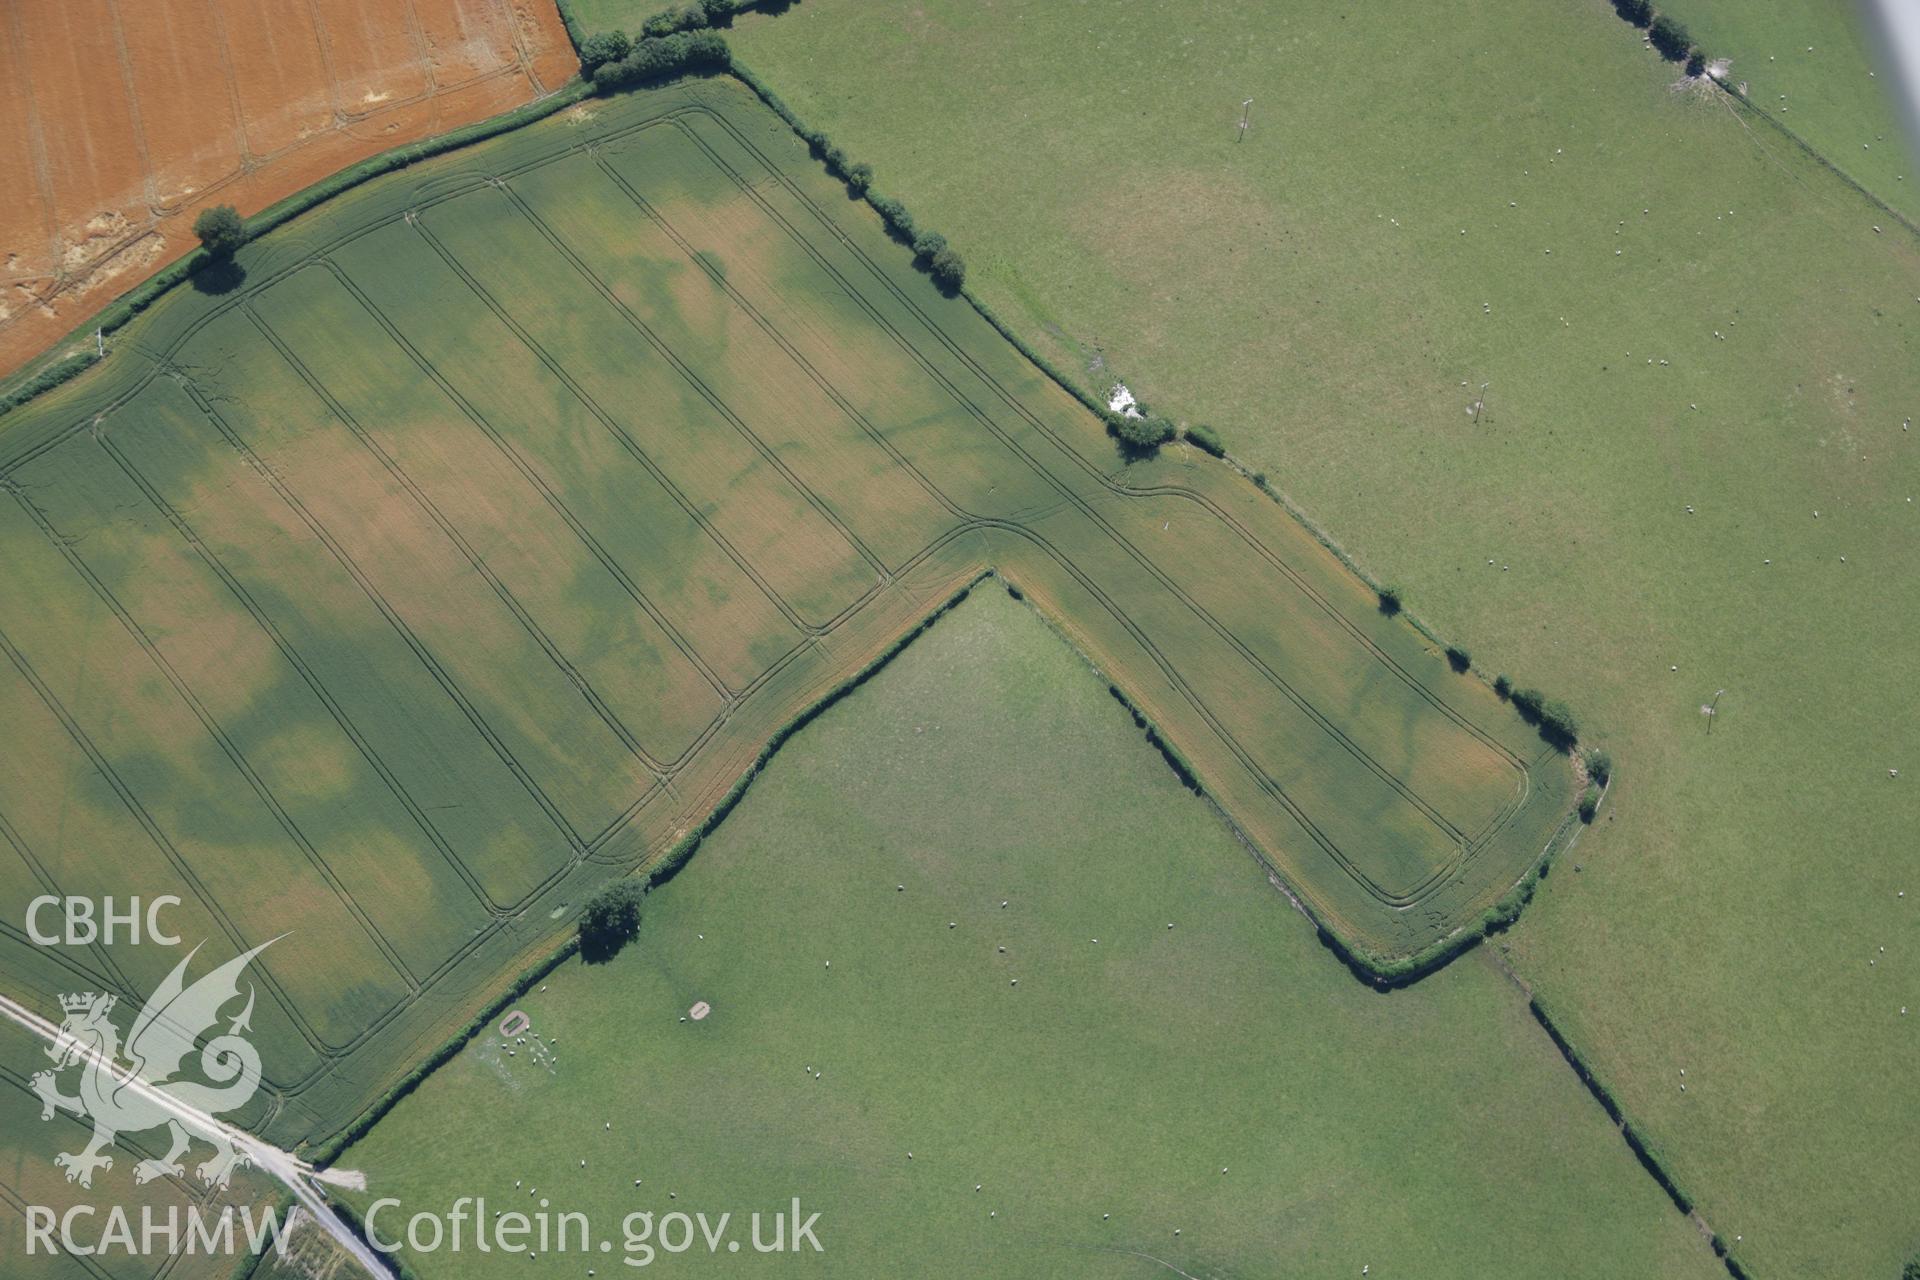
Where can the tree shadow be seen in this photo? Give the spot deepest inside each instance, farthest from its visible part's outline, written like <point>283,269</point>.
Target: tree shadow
<point>217,276</point>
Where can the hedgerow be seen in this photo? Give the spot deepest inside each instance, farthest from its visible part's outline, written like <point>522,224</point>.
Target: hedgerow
<point>1670,36</point>
<point>1638,12</point>
<point>932,253</point>
<point>1206,439</point>
<point>607,46</point>
<point>330,1151</point>
<point>656,58</point>
<point>1139,437</point>
<point>117,315</point>
<point>1599,766</point>
<point>894,214</point>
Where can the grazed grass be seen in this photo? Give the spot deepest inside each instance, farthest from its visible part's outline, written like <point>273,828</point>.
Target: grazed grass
<point>1220,1077</point>
<point>1630,525</point>
<point>1817,67</point>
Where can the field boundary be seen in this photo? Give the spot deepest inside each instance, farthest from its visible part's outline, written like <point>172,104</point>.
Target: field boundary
<point>1403,969</point>
<point>658,872</point>
<point>1630,1133</point>
<point>1819,157</point>
<point>51,369</point>
<point>1072,387</point>
<point>1368,968</point>
<point>849,259</point>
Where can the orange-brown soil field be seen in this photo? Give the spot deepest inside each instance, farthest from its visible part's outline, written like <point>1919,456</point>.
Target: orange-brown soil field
<point>121,121</point>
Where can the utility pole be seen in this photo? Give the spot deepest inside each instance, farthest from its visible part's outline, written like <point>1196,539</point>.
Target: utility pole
<point>1713,709</point>
<point>1246,109</point>
<point>1480,404</point>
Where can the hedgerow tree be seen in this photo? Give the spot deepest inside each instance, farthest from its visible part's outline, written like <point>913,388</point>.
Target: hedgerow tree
<point>608,46</point>
<point>949,271</point>
<point>895,214</point>
<point>1589,804</point>
<point>1600,769</point>
<point>1139,437</point>
<point>221,230</point>
<point>1558,724</point>
<point>1503,686</point>
<point>926,244</point>
<point>682,17</point>
<point>1638,12</point>
<point>653,58</point>
<point>1458,658</point>
<point>1696,63</point>
<point>860,176</point>
<point>610,919</point>
<point>1390,600</point>
<point>1670,37</point>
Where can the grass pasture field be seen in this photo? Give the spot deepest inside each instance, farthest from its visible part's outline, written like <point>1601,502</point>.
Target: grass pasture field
<point>1695,340</point>
<point>1816,67</point>
<point>469,550</point>
<point>1222,1077</point>
<point>119,122</point>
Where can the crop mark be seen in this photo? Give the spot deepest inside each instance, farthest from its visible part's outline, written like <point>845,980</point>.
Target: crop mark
<point>1326,724</point>
<point>185,530</point>
<point>78,564</point>
<point>160,840</point>
<point>687,375</point>
<point>405,632</point>
<point>588,693</point>
<point>538,483</point>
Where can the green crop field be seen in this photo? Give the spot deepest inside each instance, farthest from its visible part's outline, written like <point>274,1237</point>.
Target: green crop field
<point>471,548</point>
<point>1695,340</point>
<point>1221,1077</point>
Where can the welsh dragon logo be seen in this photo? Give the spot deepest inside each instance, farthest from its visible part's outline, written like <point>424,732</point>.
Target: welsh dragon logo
<point>143,1093</point>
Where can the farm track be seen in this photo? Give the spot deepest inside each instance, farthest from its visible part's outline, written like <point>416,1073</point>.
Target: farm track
<point>694,778</point>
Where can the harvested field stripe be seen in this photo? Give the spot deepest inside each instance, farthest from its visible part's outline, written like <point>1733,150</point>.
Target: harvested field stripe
<point>220,736</point>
